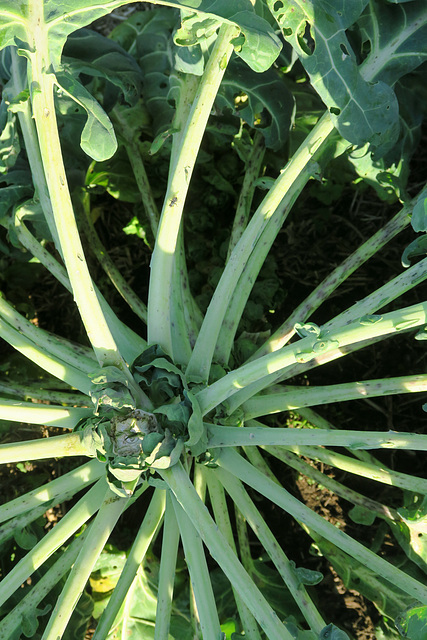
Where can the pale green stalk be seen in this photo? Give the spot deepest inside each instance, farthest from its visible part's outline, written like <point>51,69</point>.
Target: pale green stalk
<point>240,497</point>
<point>267,218</point>
<point>181,322</point>
<point>222,518</point>
<point>285,332</point>
<point>185,317</point>
<point>383,296</point>
<point>45,118</point>
<point>290,398</point>
<point>193,317</point>
<point>187,95</point>
<point>219,436</point>
<point>292,371</point>
<point>319,422</point>
<point>170,542</point>
<point>308,349</point>
<point>49,415</point>
<point>71,444</point>
<point>130,343</point>
<point>12,623</point>
<point>243,209</point>
<point>163,260</point>
<point>370,304</point>
<point>133,150</point>
<point>29,133</point>
<point>46,341</point>
<point>53,492</point>
<point>243,470</point>
<point>101,254</point>
<point>380,510</point>
<point>110,511</point>
<point>31,391</point>
<point>54,366</point>
<point>61,532</point>
<point>143,539</point>
<point>199,575</point>
<point>186,495</point>
<point>358,467</point>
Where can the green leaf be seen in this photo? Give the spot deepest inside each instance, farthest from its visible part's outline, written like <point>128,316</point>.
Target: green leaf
<point>19,24</point>
<point>361,515</point>
<point>411,531</point>
<point>115,176</point>
<point>307,576</point>
<point>30,621</point>
<point>419,214</point>
<point>258,45</point>
<point>417,247</point>
<point>93,54</point>
<point>260,99</point>
<point>397,38</point>
<point>98,138</point>
<point>110,389</point>
<point>307,329</point>
<point>18,187</point>
<point>412,623</point>
<point>137,614</point>
<point>9,139</point>
<point>331,632</point>
<point>361,111</point>
<point>148,36</point>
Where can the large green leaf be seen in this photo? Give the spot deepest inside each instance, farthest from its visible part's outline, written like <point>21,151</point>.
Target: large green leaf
<point>98,139</point>
<point>18,24</point>
<point>91,53</point>
<point>147,35</point>
<point>264,101</point>
<point>397,37</point>
<point>137,614</point>
<point>362,111</point>
<point>258,46</point>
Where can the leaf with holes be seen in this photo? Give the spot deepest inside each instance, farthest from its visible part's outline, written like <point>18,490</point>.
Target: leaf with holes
<point>361,110</point>
<point>260,99</point>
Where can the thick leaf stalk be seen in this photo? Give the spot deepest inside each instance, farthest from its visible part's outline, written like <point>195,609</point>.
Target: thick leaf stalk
<point>163,260</point>
<point>243,470</point>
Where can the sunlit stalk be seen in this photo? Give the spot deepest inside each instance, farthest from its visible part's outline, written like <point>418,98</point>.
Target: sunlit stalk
<point>55,490</point>
<point>271,545</point>
<point>143,539</point>
<point>186,495</point>
<point>243,470</point>
<point>111,509</point>
<point>358,467</point>
<point>63,530</point>
<point>170,542</point>
<point>199,575</point>
<point>163,260</point>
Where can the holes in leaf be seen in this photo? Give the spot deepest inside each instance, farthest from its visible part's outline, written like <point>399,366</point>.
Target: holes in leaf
<point>278,5</point>
<point>306,40</point>
<point>335,111</point>
<point>287,31</point>
<point>344,49</point>
<point>262,120</point>
<point>241,101</point>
